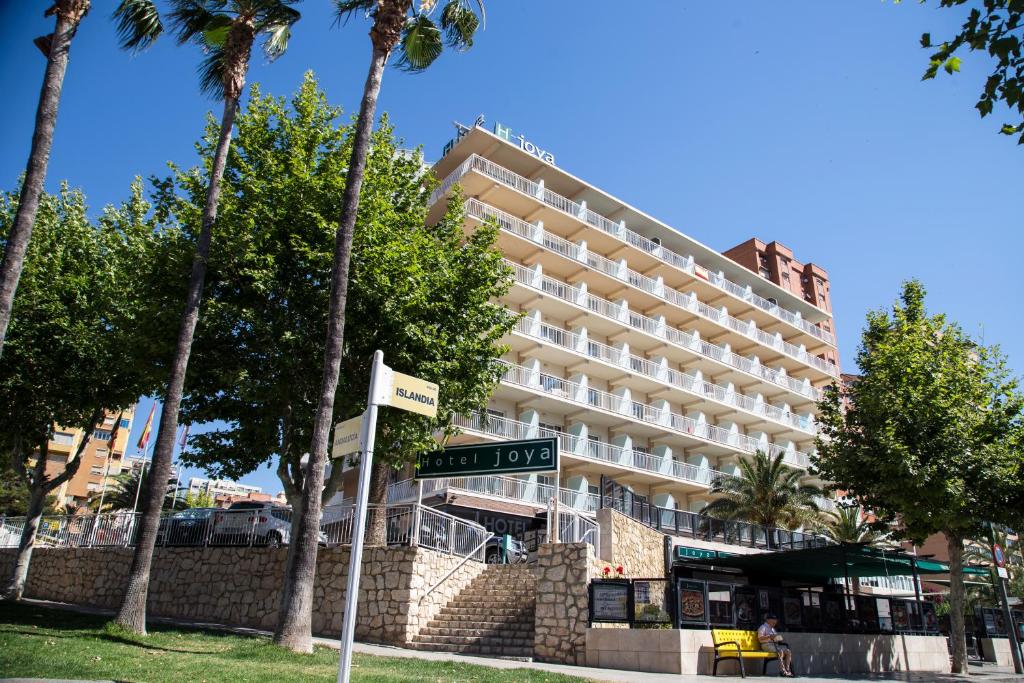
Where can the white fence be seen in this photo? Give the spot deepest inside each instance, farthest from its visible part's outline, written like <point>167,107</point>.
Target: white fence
<point>256,526</point>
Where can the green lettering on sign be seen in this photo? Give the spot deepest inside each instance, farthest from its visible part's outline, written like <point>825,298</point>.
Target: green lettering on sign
<point>687,553</point>
<point>507,457</point>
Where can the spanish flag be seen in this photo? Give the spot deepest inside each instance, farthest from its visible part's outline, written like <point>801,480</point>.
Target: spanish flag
<point>144,436</point>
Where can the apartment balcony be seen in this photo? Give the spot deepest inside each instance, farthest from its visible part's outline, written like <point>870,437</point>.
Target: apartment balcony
<point>564,258</point>
<point>611,319</point>
<point>480,176</point>
<point>561,347</point>
<point>560,396</point>
<point>624,464</point>
<point>512,489</point>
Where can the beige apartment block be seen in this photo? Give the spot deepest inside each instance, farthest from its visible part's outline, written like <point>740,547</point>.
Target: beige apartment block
<point>656,360</point>
<point>102,459</point>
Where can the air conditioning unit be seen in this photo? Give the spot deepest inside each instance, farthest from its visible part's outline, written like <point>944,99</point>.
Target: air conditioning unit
<point>656,240</point>
<point>772,301</point>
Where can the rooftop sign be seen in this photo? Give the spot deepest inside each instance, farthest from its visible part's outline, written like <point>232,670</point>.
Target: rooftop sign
<point>503,132</point>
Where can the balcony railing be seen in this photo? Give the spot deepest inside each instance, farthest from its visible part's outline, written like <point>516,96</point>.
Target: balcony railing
<point>686,382</point>
<point>580,298</point>
<point>581,254</point>
<point>595,398</point>
<point>582,213</point>
<point>505,428</point>
<point>505,488</point>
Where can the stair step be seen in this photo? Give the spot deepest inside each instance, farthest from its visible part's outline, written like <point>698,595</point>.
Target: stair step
<point>484,620</point>
<point>521,631</point>
<point>496,641</point>
<point>499,651</point>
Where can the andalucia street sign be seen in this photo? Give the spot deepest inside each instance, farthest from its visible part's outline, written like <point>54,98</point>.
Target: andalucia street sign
<point>506,457</point>
<point>346,437</point>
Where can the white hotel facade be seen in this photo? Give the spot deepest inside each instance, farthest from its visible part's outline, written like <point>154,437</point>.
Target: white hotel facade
<point>657,361</point>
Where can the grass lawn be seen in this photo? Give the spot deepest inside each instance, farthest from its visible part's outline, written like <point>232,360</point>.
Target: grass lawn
<point>37,642</point>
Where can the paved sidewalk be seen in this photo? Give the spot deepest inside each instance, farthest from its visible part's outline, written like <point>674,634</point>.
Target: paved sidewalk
<point>979,673</point>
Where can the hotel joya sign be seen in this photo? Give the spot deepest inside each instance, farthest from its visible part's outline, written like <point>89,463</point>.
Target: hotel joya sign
<point>508,457</point>
<point>505,133</point>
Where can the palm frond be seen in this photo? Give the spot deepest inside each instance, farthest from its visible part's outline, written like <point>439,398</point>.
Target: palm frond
<point>211,72</point>
<point>421,44</point>
<point>217,28</point>
<point>190,19</point>
<point>344,9</point>
<point>459,22</point>
<point>138,24</point>
<point>276,23</point>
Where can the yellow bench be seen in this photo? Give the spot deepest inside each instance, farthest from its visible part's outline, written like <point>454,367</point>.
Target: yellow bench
<point>738,644</point>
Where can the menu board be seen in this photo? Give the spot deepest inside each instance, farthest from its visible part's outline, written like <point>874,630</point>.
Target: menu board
<point>692,602</point>
<point>900,615</point>
<point>931,620</point>
<point>746,607</point>
<point>832,616</point>
<point>609,601</point>
<point>792,611</point>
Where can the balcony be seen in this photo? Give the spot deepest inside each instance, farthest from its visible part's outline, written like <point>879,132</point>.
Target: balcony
<point>497,487</point>
<point>621,316</point>
<point>581,213</point>
<point>693,432</point>
<point>661,375</point>
<point>656,290</point>
<point>584,449</point>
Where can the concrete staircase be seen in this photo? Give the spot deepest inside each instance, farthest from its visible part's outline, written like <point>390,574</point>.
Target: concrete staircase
<point>493,615</point>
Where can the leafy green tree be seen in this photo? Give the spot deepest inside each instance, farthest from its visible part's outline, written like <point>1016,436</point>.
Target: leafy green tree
<point>226,30</point>
<point>71,349</point>
<point>766,493</point>
<point>14,493</point>
<point>847,524</point>
<point>422,293</point>
<point>411,29</point>
<point>203,499</point>
<point>930,439</point>
<point>995,27</point>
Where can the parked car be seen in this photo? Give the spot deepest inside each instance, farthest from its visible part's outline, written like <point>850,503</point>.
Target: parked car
<point>247,523</point>
<point>516,552</point>
<point>188,527</point>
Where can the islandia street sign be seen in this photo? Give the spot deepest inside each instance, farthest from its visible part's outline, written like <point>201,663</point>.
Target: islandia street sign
<point>505,457</point>
<point>406,392</point>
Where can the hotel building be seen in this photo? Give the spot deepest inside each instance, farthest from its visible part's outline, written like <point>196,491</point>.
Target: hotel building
<point>102,459</point>
<point>656,360</point>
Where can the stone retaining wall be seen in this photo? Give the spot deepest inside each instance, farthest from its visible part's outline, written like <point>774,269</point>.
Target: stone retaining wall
<point>564,571</point>
<point>241,586</point>
<point>637,548</point>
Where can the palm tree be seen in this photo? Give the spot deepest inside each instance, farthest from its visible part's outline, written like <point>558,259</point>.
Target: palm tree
<point>125,493</point>
<point>226,30</point>
<point>410,29</point>
<point>847,525</point>
<point>56,47</point>
<point>766,493</point>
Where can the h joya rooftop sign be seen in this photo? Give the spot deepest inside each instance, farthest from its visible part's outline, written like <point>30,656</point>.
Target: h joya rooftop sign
<point>505,133</point>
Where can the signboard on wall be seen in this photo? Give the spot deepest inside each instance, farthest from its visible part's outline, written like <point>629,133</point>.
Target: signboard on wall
<point>609,601</point>
<point>504,457</point>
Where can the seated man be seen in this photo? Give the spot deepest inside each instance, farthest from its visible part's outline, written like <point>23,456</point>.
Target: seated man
<point>771,641</point>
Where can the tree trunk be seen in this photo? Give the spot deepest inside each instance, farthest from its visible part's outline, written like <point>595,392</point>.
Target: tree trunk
<point>957,636</point>
<point>132,614</point>
<point>16,589</point>
<point>377,530</point>
<point>294,623</point>
<point>38,160</point>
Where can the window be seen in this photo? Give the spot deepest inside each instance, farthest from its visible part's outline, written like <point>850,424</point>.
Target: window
<point>101,452</point>
<point>102,434</point>
<point>557,429</point>
<point>95,469</point>
<point>641,449</point>
<point>552,385</point>
<point>92,487</point>
<point>63,438</point>
<point>764,273</point>
<point>108,421</point>
<point>125,423</point>
<point>594,446</point>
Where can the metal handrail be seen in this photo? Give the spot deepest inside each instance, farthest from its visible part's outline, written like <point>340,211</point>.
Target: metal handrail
<point>454,569</point>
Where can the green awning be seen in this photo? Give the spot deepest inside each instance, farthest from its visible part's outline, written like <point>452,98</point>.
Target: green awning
<point>817,565</point>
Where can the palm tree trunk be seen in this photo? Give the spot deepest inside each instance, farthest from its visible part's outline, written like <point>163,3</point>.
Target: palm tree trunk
<point>132,614</point>
<point>38,160</point>
<point>37,497</point>
<point>377,529</point>
<point>957,637</point>
<point>294,622</point>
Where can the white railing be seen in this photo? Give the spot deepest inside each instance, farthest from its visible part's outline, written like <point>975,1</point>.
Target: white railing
<point>447,533</point>
<point>595,398</point>
<point>619,271</point>
<point>686,382</point>
<point>506,488</point>
<point>693,344</point>
<point>618,230</point>
<point>505,428</point>
<point>245,527</point>
<point>574,528</point>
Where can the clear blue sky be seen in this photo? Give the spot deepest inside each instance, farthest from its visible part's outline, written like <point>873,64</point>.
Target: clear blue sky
<point>804,122</point>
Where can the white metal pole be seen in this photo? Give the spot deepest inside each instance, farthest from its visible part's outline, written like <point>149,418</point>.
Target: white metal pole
<point>138,489</point>
<point>355,559</point>
<point>414,535</point>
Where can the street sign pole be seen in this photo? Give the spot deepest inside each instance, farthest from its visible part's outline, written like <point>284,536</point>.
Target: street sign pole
<point>355,560</point>
<point>998,560</point>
